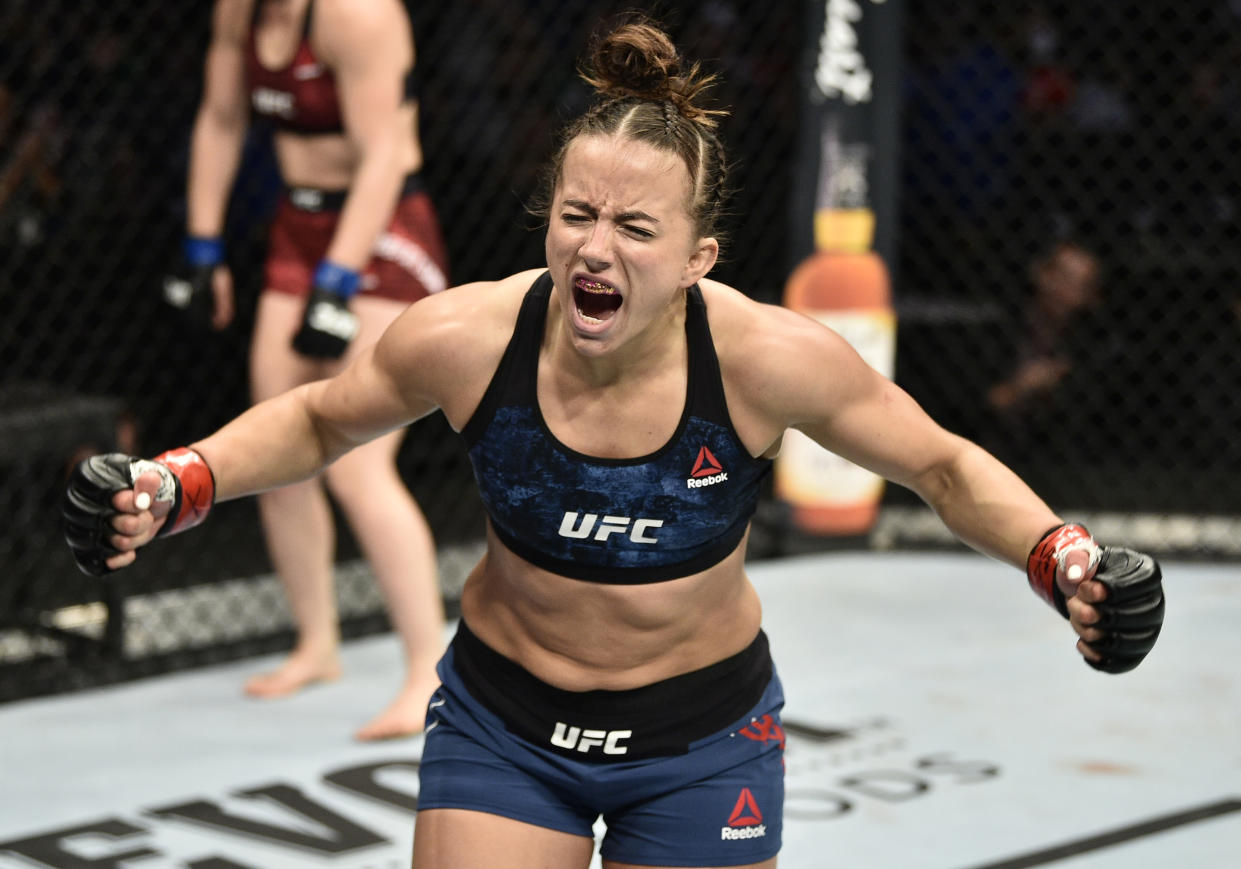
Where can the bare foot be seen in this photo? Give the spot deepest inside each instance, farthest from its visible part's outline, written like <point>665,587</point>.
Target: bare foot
<point>405,716</point>
<point>296,673</point>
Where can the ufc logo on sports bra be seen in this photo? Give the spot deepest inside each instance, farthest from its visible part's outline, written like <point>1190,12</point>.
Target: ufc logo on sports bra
<point>272,102</point>
<point>609,525</point>
<point>584,740</point>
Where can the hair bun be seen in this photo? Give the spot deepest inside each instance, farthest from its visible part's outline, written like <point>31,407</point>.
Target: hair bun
<point>637,60</point>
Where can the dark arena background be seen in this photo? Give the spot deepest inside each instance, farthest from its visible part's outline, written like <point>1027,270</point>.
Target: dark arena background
<point>1027,140</point>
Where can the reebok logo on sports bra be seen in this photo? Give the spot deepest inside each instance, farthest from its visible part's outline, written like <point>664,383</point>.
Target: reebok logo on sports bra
<point>707,471</point>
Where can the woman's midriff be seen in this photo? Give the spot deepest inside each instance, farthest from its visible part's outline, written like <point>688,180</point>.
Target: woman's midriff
<point>328,162</point>
<point>582,636</point>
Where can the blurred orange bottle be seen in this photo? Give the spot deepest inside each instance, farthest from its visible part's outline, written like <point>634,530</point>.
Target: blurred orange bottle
<point>845,285</point>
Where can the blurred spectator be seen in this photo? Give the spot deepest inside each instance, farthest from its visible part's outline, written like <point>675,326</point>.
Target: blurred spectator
<point>1068,353</point>
<point>1058,325</point>
<point>30,144</point>
<point>1048,84</point>
<point>32,141</point>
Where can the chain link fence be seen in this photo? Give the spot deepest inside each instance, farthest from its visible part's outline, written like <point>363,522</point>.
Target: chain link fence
<point>1055,157</point>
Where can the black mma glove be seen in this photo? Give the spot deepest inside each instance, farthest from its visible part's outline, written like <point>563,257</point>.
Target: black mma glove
<point>327,324</point>
<point>188,287</point>
<point>185,480</point>
<point>1132,615</point>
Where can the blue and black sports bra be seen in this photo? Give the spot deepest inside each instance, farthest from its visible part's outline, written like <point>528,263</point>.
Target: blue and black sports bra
<point>669,514</point>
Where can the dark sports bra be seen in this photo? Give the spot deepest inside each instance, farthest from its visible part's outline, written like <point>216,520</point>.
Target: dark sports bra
<point>302,96</point>
<point>675,512</point>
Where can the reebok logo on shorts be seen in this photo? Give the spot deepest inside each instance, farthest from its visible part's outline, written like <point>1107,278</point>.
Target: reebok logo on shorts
<point>746,821</point>
<point>707,471</point>
<point>764,729</point>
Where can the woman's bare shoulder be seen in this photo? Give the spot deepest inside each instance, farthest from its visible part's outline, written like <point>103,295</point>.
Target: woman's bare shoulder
<point>773,357</point>
<point>739,323</point>
<point>345,27</point>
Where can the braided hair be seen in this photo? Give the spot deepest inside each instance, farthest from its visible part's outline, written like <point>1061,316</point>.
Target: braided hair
<point>644,92</point>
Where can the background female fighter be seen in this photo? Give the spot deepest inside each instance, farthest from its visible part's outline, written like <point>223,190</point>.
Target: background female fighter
<point>355,239</point>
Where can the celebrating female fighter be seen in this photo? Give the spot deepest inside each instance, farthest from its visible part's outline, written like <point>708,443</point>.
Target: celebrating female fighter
<point>354,240</point>
<point>621,410</point>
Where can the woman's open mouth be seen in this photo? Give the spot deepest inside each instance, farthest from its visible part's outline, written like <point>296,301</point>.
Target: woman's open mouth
<point>595,300</point>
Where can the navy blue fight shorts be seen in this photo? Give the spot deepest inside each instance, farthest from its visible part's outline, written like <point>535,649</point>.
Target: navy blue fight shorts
<point>680,771</point>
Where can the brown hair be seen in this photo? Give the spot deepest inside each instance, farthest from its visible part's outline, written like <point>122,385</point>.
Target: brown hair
<point>644,92</point>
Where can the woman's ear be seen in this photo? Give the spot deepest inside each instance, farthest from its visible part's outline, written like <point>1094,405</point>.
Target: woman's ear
<point>700,261</point>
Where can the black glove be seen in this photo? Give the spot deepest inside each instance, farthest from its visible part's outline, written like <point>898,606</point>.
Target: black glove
<point>185,482</point>
<point>327,325</point>
<point>87,509</point>
<point>187,287</point>
<point>1132,614</point>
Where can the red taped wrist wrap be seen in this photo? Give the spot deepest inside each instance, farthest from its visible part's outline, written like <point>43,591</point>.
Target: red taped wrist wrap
<point>197,489</point>
<point>1044,559</point>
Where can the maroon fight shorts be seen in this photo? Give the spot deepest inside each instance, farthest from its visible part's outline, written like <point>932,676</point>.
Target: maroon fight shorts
<point>409,261</point>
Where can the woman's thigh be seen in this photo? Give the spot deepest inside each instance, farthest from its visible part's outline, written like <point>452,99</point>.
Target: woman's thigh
<point>275,367</point>
<point>464,839</point>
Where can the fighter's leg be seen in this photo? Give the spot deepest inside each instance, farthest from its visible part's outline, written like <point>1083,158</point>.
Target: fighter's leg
<point>486,800</point>
<point>461,839</point>
<point>297,519</point>
<point>766,864</point>
<point>396,540</point>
